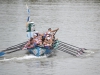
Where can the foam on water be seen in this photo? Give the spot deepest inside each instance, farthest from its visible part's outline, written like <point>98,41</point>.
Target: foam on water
<point>26,57</point>
<point>88,52</point>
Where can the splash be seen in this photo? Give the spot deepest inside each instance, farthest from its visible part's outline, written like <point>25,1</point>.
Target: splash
<point>89,52</point>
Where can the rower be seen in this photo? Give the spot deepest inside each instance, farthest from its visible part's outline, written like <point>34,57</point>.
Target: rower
<point>47,46</point>
<point>30,28</point>
<point>50,32</point>
<point>37,39</point>
<point>29,44</point>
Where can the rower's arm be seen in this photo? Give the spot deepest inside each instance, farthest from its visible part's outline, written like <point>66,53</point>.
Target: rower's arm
<point>55,30</point>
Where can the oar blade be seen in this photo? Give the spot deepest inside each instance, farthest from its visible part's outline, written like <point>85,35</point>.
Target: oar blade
<point>2,53</point>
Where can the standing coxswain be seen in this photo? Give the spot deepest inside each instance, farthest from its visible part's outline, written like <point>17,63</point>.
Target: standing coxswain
<point>30,28</point>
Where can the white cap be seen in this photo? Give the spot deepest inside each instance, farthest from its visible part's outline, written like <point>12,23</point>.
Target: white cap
<point>35,34</point>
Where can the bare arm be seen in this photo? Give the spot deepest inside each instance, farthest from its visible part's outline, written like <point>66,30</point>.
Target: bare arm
<point>55,30</point>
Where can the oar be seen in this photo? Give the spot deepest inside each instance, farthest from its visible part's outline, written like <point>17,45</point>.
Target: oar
<point>72,45</point>
<point>71,48</point>
<point>61,46</point>
<point>68,44</point>
<point>14,47</point>
<point>17,46</point>
<point>68,52</point>
<point>67,49</point>
<point>3,53</point>
<point>80,51</point>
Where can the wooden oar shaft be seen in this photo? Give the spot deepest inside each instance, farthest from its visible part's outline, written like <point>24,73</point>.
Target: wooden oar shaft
<point>80,50</point>
<point>66,46</point>
<point>71,48</point>
<point>74,54</point>
<point>14,51</point>
<point>69,44</point>
<point>15,46</point>
<point>3,53</point>
<point>67,49</point>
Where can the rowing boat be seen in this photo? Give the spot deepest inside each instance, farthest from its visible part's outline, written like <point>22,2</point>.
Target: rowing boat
<point>41,50</point>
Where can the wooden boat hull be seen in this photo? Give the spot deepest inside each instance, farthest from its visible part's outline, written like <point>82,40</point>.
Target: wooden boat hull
<point>41,51</point>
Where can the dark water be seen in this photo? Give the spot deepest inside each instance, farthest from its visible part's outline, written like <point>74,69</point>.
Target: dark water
<point>78,22</point>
